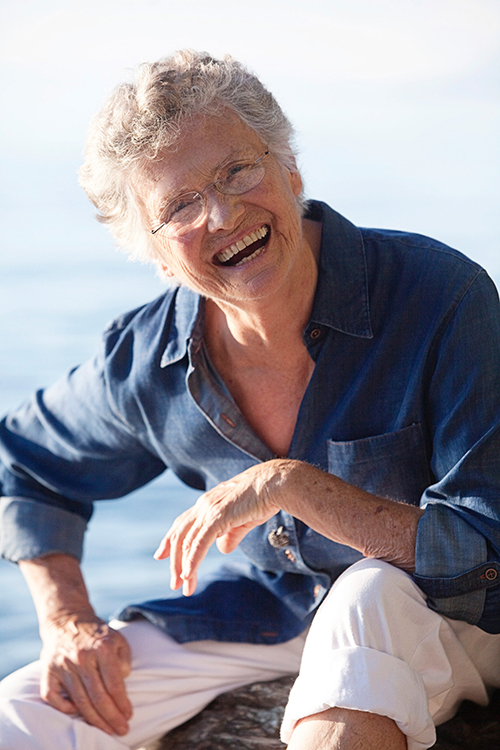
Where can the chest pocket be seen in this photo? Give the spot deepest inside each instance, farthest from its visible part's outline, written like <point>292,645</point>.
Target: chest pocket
<point>393,465</point>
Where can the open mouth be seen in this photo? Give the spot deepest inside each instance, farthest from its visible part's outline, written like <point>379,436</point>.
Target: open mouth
<point>246,249</point>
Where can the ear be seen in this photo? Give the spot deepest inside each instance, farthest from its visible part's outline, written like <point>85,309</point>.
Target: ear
<point>165,270</point>
<point>295,179</point>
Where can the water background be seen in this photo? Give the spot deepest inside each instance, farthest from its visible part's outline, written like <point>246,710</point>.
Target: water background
<point>397,109</point>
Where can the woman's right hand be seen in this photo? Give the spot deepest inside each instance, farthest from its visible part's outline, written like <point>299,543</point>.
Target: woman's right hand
<point>84,665</point>
<point>84,661</point>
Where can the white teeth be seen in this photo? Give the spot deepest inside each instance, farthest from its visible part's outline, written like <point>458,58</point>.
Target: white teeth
<point>249,257</point>
<point>240,245</point>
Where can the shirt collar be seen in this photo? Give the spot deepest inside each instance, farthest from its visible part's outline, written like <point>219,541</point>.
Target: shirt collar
<point>341,300</point>
<point>185,324</point>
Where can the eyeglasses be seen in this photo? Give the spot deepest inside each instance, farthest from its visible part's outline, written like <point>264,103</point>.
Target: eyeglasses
<point>188,211</point>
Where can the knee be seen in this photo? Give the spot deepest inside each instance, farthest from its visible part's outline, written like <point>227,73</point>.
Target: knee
<point>22,685</point>
<point>369,593</point>
<point>19,695</point>
<point>371,583</point>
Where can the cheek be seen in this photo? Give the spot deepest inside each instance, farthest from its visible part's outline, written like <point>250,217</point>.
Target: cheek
<point>174,256</point>
<point>179,262</point>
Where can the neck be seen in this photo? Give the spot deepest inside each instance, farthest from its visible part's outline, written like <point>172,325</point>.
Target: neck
<point>273,325</point>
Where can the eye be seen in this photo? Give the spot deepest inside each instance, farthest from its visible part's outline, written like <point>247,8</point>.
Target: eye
<point>235,170</point>
<point>181,208</point>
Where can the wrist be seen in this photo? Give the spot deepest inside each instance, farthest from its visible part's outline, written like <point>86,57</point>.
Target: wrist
<point>58,590</point>
<point>69,619</point>
<point>286,482</point>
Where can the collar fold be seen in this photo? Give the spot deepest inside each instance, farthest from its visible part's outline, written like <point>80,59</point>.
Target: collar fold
<point>185,313</point>
<point>341,300</point>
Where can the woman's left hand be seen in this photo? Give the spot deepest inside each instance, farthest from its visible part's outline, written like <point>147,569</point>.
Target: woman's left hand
<point>224,514</point>
<point>375,526</point>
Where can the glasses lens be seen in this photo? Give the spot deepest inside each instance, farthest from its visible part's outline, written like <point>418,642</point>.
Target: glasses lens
<point>182,213</point>
<point>241,178</point>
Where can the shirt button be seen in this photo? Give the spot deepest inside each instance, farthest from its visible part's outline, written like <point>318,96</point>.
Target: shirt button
<point>278,538</point>
<point>317,591</point>
<point>491,574</point>
<point>289,554</point>
<point>315,333</point>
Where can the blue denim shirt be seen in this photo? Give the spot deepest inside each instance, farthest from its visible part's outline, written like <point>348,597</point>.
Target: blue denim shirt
<point>404,402</point>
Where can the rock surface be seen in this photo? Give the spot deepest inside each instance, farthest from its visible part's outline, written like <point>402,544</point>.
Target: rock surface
<point>249,719</point>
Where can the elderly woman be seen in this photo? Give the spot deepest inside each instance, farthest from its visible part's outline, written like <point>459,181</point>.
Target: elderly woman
<point>335,392</point>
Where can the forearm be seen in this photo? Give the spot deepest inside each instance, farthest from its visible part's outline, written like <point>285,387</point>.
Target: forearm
<point>58,589</point>
<point>84,661</point>
<point>377,527</point>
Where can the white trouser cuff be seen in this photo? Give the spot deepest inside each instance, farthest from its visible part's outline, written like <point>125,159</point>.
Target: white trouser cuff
<point>387,681</point>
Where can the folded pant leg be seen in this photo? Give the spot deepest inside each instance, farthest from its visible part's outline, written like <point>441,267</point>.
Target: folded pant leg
<point>375,646</point>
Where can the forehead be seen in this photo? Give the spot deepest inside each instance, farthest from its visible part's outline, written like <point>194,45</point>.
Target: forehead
<point>205,145</point>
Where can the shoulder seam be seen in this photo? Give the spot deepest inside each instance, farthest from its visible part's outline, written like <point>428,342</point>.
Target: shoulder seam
<point>428,244</point>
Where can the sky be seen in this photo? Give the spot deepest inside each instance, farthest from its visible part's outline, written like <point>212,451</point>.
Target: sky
<point>395,102</point>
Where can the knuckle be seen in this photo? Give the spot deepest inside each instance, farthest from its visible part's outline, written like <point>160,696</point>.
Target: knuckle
<point>104,643</point>
<point>51,696</point>
<point>113,683</point>
<point>100,701</point>
<point>174,536</point>
<point>188,545</point>
<point>81,660</point>
<point>63,663</point>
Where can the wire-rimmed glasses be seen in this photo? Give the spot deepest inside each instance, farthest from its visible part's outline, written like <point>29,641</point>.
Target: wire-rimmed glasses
<point>188,211</point>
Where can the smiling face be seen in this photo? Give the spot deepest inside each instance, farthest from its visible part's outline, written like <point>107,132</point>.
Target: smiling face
<point>247,245</point>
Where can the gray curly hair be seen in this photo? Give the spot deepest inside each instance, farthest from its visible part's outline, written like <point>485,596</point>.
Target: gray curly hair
<point>143,118</point>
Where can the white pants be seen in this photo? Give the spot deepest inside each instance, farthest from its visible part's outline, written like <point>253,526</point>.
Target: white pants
<point>373,646</point>
<point>169,684</point>
<point>389,654</point>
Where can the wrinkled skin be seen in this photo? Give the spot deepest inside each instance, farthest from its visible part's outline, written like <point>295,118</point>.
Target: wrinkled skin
<point>375,526</point>
<point>224,514</point>
<point>84,661</point>
<point>84,664</point>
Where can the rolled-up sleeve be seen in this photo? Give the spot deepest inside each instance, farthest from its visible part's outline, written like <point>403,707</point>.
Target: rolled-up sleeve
<point>458,538</point>
<point>30,529</point>
<point>64,448</point>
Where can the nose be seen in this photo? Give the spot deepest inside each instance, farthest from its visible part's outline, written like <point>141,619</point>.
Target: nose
<point>222,211</point>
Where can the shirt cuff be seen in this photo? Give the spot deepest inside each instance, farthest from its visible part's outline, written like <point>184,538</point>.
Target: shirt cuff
<point>31,529</point>
<point>451,564</point>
